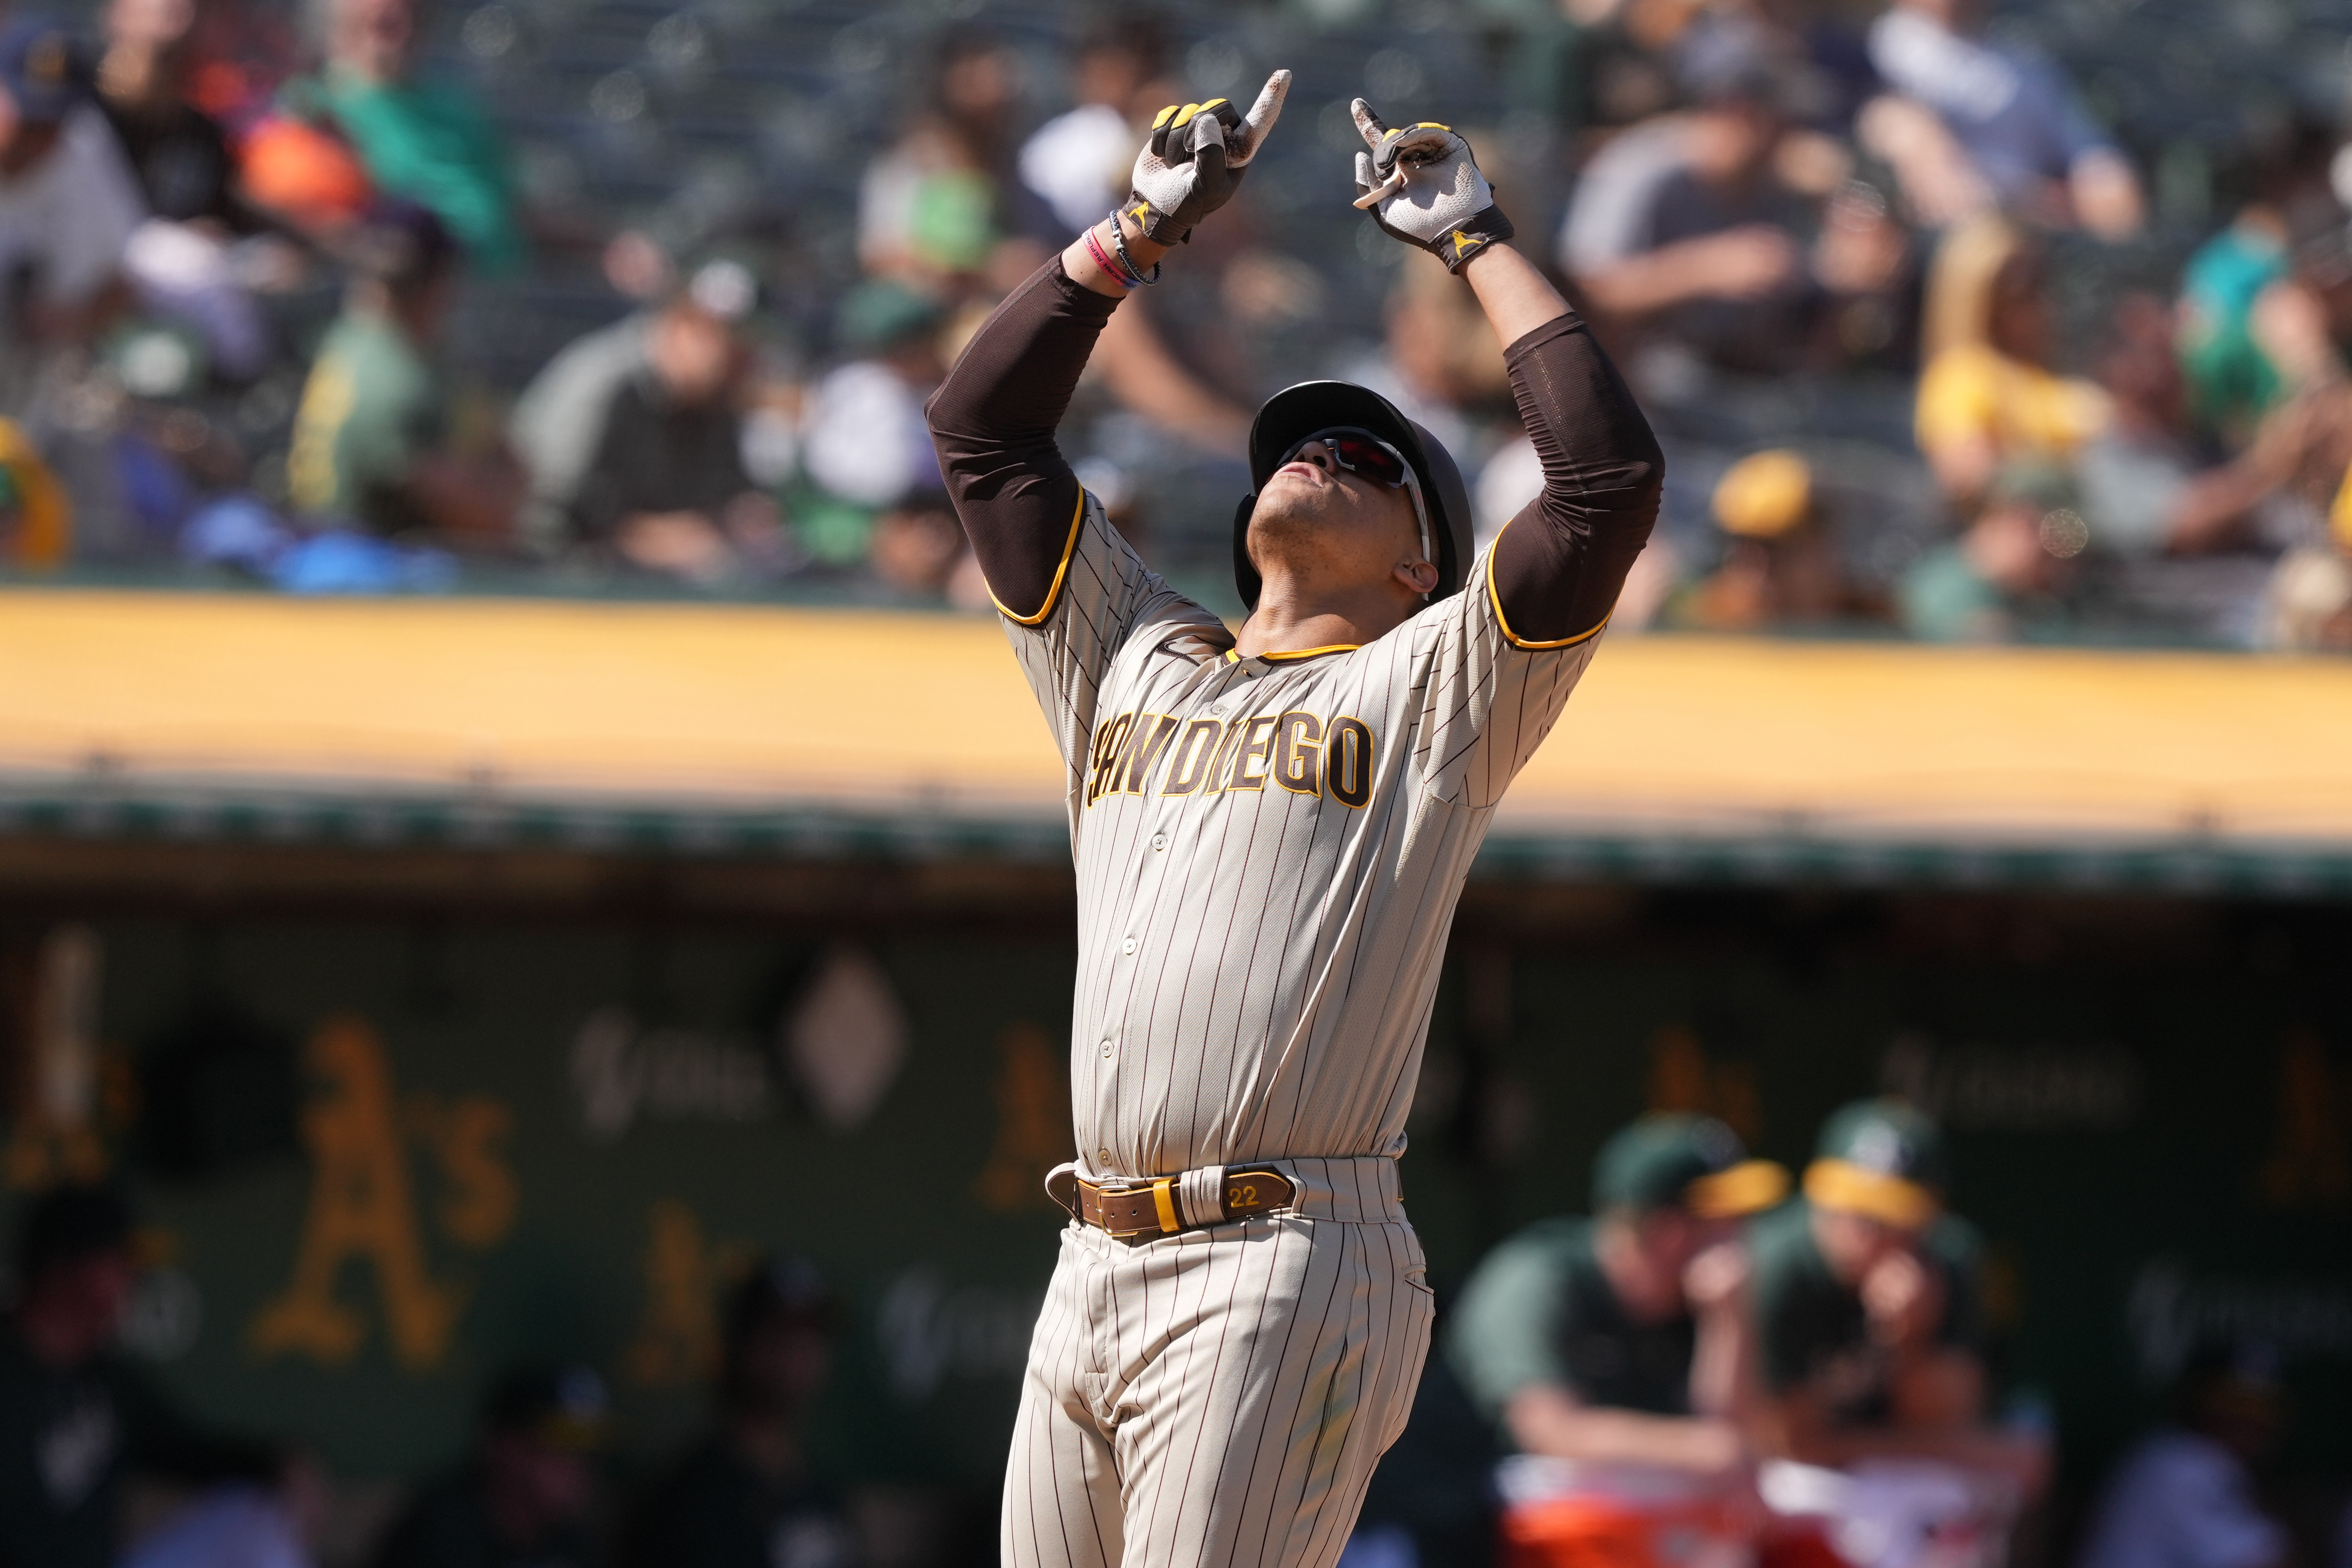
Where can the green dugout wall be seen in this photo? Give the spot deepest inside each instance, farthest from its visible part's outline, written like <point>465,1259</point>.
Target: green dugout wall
<point>398,1121</point>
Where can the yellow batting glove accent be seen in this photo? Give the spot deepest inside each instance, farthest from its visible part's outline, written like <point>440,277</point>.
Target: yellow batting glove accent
<point>1211,104</point>
<point>1163,117</point>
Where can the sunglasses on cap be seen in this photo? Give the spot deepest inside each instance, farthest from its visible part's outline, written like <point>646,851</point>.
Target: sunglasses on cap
<point>1368,456</point>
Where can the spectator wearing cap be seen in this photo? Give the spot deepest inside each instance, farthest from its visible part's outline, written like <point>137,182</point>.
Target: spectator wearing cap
<point>747,1497</point>
<point>76,1418</point>
<point>1687,226</point>
<point>1780,563</point>
<point>69,203</point>
<point>663,488</point>
<point>1618,1339</point>
<point>1868,1317</point>
<point>422,138</point>
<point>1974,122</point>
<point>527,1495</point>
<point>370,448</point>
<point>2185,1497</point>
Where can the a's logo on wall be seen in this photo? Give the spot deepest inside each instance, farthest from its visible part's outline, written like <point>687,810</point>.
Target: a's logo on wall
<point>1032,1122</point>
<point>363,1206</point>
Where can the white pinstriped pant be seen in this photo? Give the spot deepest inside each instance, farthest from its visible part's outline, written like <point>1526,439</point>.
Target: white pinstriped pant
<point>1216,1399</point>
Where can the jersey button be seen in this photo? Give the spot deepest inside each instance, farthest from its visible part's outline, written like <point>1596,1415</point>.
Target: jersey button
<point>1127,947</point>
<point>1106,1050</point>
<point>1159,841</point>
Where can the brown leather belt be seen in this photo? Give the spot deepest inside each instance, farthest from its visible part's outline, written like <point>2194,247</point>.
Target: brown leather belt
<point>1134,1212</point>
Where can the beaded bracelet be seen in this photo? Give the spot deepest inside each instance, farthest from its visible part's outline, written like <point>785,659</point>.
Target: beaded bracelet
<point>1126,276</point>
<point>1118,239</point>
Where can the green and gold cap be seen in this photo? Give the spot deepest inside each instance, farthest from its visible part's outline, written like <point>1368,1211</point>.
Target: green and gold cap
<point>1883,1160</point>
<point>1670,1160</point>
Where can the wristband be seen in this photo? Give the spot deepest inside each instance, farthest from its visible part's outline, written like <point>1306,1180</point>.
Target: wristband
<point>1124,276</point>
<point>1118,239</point>
<point>1472,236</point>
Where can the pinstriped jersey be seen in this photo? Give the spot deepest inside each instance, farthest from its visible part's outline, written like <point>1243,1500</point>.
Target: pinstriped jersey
<point>1269,851</point>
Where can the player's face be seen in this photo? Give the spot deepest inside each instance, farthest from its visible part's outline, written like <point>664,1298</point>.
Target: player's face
<point>1337,514</point>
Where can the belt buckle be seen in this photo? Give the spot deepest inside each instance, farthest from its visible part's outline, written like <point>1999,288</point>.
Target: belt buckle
<point>1163,1190</point>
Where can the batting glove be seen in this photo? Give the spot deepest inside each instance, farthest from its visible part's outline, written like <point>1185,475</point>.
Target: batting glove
<point>1197,155</point>
<point>1420,183</point>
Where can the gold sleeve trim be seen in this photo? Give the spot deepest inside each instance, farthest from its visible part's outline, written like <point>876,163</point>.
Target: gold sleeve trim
<point>1060,572</point>
<point>1495,597</point>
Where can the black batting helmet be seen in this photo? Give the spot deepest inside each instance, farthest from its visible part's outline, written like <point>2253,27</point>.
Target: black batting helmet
<point>1297,412</point>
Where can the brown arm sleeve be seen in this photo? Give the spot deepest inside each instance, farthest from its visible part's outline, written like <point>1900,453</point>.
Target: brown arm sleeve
<point>1558,567</point>
<point>992,421</point>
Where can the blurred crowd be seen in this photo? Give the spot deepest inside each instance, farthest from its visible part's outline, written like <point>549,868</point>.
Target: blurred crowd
<point>1715,1366</point>
<point>288,297</point>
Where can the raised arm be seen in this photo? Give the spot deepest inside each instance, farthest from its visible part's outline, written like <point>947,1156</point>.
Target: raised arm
<point>992,420</point>
<point>1557,568</point>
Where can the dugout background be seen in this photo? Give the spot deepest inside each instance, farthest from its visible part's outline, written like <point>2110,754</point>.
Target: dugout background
<point>398,1123</point>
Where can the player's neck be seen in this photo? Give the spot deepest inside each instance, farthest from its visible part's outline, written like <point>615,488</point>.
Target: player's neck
<point>1287,620</point>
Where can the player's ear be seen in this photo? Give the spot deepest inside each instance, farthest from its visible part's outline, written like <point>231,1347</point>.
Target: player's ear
<point>1418,575</point>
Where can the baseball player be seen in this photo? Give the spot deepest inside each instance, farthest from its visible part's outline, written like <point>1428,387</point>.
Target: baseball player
<point>1270,830</point>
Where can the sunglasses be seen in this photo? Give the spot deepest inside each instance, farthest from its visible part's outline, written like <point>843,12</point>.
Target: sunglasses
<point>1368,456</point>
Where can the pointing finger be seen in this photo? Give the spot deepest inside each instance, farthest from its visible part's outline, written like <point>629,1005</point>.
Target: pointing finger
<point>1368,123</point>
<point>1261,116</point>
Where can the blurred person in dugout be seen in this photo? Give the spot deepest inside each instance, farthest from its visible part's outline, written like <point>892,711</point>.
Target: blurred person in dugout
<point>526,1497</point>
<point>1866,1298</point>
<point>747,1495</point>
<point>371,448</point>
<point>68,205</point>
<point>78,1421</point>
<point>1989,396</point>
<point>1781,565</point>
<point>420,138</point>
<point>661,485</point>
<point>1692,228</point>
<point>1616,1354</point>
<point>195,259</point>
<point>2187,1495</point>
<point>1973,123</point>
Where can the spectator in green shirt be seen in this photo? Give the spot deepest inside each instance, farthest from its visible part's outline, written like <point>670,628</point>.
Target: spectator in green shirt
<point>1618,1339</point>
<point>369,444</point>
<point>423,139</point>
<point>1868,1313</point>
